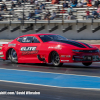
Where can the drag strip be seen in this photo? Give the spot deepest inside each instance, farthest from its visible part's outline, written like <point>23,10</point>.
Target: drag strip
<point>48,78</point>
<point>53,83</point>
<point>70,68</point>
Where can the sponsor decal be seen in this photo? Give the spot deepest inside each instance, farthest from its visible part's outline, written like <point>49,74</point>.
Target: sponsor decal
<point>68,56</point>
<point>96,58</point>
<point>1,45</point>
<point>25,40</point>
<point>65,60</point>
<point>28,48</point>
<point>62,55</point>
<point>11,45</point>
<point>1,53</point>
<point>29,52</point>
<point>0,48</point>
<point>57,47</point>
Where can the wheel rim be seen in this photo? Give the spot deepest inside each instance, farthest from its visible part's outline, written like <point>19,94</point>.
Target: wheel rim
<point>55,58</point>
<point>14,54</point>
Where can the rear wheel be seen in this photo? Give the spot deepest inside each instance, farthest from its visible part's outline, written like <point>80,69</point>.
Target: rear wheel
<point>87,64</point>
<point>55,59</point>
<point>13,56</point>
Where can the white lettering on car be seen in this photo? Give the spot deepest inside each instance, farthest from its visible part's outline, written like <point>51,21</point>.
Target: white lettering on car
<point>28,48</point>
<point>11,45</point>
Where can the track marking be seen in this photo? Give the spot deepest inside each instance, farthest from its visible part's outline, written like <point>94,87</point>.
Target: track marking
<point>50,72</point>
<point>96,89</point>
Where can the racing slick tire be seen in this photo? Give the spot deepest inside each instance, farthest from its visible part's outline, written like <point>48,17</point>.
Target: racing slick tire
<point>87,64</point>
<point>55,59</point>
<point>13,56</point>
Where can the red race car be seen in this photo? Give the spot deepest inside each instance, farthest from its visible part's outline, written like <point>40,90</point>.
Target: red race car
<point>48,48</point>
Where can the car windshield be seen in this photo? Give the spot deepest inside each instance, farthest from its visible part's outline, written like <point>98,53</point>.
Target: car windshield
<point>46,38</point>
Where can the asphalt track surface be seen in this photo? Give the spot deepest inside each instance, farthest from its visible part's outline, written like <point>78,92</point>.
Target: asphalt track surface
<point>51,93</point>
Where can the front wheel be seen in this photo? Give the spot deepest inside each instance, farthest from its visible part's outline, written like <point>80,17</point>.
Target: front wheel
<point>87,64</point>
<point>13,56</point>
<point>55,59</point>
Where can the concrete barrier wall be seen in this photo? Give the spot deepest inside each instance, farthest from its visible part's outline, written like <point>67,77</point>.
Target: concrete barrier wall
<point>71,34</point>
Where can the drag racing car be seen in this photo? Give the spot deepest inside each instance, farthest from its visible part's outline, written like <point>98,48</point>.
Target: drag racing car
<point>48,48</point>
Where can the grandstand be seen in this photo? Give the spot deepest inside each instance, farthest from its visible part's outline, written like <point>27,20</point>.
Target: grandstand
<point>42,16</point>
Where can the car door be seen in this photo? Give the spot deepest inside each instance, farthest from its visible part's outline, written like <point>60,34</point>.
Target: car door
<point>29,48</point>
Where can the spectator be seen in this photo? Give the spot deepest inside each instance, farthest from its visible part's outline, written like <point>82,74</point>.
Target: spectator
<point>70,10</point>
<point>19,4</point>
<point>31,15</point>
<point>89,3</point>
<point>58,10</point>
<point>1,17</point>
<point>96,4</point>
<point>88,14</point>
<point>53,15</point>
<point>74,3</point>
<point>36,2</point>
<point>37,11</point>
<point>98,10</point>
<point>70,13</point>
<point>65,4</point>
<point>84,2</point>
<point>95,14</point>
<point>47,15</point>
<point>42,6</point>
<point>17,1</point>
<point>3,6</point>
<point>5,9</point>
<point>31,2</point>
<point>80,4</point>
<point>11,11</point>
<point>55,2</point>
<point>0,7</point>
<point>62,11</point>
<point>13,5</point>
<point>23,1</point>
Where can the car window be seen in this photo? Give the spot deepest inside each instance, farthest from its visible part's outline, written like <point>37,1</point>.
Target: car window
<point>28,39</point>
<point>35,40</point>
<point>46,38</point>
<point>19,39</point>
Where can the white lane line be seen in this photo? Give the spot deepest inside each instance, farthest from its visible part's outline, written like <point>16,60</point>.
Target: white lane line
<point>96,89</point>
<point>50,72</point>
